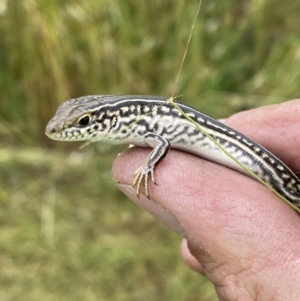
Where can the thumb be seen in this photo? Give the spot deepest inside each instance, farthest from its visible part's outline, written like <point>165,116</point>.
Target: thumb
<point>243,236</point>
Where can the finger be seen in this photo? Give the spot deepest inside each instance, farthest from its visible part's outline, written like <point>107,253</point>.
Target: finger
<point>276,127</point>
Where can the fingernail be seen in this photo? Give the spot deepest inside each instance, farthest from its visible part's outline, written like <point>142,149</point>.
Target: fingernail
<point>154,208</point>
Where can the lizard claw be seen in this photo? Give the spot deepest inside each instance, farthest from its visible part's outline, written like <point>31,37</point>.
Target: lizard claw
<point>142,174</point>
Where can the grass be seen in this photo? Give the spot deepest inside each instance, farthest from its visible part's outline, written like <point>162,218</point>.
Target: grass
<point>66,232</point>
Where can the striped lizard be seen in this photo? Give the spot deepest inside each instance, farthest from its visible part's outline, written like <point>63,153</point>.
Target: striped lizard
<point>152,121</point>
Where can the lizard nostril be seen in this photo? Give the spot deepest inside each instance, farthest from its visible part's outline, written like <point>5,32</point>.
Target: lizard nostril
<point>53,131</point>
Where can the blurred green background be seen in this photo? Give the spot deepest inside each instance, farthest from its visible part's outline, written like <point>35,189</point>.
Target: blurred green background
<point>66,233</point>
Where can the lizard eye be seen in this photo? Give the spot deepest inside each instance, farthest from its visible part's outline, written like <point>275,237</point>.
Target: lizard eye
<point>85,120</point>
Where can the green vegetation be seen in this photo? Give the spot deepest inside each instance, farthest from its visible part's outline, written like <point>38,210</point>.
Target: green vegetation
<point>66,232</point>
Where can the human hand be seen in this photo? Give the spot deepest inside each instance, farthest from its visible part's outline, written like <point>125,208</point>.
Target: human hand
<point>244,238</point>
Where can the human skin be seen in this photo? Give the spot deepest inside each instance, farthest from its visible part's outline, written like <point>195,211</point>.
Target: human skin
<point>237,232</point>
